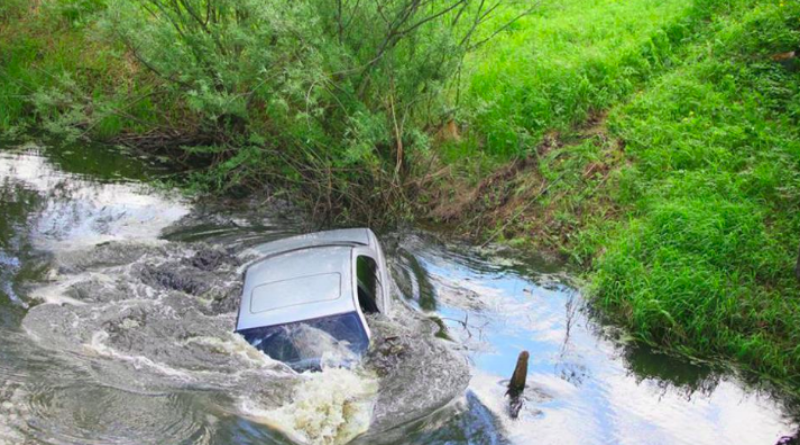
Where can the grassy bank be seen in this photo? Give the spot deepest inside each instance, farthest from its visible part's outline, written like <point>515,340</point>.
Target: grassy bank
<point>57,76</point>
<point>568,59</point>
<point>682,200</point>
<point>656,144</point>
<point>704,258</point>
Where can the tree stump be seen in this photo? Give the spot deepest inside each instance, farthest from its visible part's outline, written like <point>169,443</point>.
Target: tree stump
<point>517,384</point>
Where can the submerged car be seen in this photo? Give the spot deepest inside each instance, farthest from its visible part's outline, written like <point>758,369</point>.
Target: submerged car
<point>305,298</point>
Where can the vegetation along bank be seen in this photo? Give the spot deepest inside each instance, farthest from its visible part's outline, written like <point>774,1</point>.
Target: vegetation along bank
<point>655,144</point>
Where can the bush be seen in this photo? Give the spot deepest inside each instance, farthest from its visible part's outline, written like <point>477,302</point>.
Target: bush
<point>337,92</point>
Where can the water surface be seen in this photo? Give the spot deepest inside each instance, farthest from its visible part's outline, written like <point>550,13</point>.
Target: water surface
<point>110,360</point>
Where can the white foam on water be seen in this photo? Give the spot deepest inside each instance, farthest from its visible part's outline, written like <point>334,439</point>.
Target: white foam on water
<point>235,345</point>
<point>56,291</point>
<point>97,345</point>
<point>55,295</point>
<point>328,408</point>
<point>13,411</point>
<point>115,212</point>
<point>9,265</point>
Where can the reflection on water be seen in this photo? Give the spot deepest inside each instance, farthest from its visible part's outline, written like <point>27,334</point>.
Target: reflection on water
<point>75,211</point>
<point>415,284</point>
<point>586,385</point>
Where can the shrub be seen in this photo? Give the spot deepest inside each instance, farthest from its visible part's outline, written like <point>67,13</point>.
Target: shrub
<point>342,90</point>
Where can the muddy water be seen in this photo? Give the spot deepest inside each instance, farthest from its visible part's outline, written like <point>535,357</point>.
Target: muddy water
<point>117,304</point>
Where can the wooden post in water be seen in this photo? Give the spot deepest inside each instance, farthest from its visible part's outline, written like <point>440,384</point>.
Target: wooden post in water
<point>517,384</point>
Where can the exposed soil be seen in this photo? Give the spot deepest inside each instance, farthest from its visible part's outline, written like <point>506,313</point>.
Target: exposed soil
<point>517,200</point>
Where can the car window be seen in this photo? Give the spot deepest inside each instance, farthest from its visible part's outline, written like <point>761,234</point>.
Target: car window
<point>369,284</point>
<point>338,339</point>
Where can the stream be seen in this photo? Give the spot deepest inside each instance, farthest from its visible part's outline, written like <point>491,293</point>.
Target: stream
<point>117,309</point>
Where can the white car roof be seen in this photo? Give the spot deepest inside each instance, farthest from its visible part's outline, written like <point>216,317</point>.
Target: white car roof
<point>303,278</point>
<point>363,237</point>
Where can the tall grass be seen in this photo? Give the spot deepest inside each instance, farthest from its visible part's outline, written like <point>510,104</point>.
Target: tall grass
<point>704,261</point>
<point>570,58</point>
<point>680,196</point>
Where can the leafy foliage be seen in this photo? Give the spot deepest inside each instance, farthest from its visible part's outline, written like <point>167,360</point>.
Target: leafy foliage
<point>337,96</point>
<point>337,92</point>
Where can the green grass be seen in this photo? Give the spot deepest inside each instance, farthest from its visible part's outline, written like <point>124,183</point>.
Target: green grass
<point>568,59</point>
<point>53,52</point>
<point>704,259</point>
<point>689,229</point>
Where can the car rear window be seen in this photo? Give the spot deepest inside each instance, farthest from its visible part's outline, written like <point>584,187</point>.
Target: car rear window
<point>337,340</point>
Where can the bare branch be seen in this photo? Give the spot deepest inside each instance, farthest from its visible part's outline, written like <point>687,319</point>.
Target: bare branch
<point>503,28</point>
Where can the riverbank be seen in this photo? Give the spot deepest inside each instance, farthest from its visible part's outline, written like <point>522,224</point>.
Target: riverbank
<point>681,201</point>
<point>654,144</point>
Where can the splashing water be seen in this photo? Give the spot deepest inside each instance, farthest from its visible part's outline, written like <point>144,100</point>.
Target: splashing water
<point>329,407</point>
<point>153,317</point>
<point>142,327</point>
